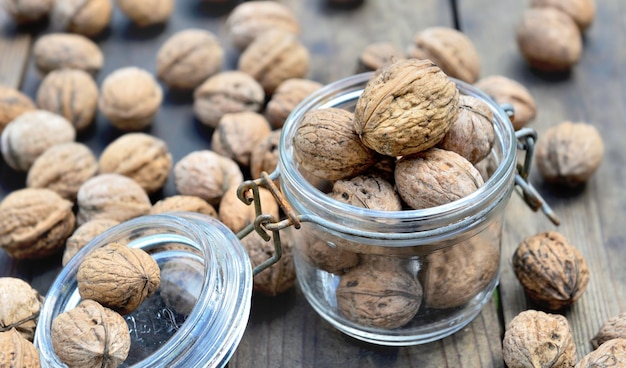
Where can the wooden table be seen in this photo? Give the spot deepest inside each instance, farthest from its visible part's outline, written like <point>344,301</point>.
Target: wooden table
<point>285,331</point>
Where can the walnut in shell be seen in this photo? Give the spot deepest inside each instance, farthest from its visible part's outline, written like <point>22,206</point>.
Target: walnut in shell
<point>435,177</point>
<point>181,285</point>
<point>612,328</point>
<point>250,19</point>
<point>549,39</point>
<point>569,153</point>
<point>407,108</point>
<point>226,92</point>
<point>610,354</point>
<point>118,277</point>
<point>111,196</point>
<point>130,97</point>
<point>264,156</point>
<point>90,335</point>
<point>20,307</point>
<point>553,273</point>
<point>140,156</point>
<point>325,255</point>
<point>16,351</point>
<point>376,55</point>
<point>236,215</point>
<point>12,104</point>
<point>582,12</point>
<point>238,133</point>
<point>450,49</point>
<point>326,145</point>
<point>508,91</point>
<point>63,168</point>
<point>27,11</point>
<point>279,277</point>
<point>83,235</point>
<point>286,97</point>
<point>538,339</point>
<point>71,93</point>
<point>207,175</point>
<point>385,298</point>
<point>367,191</point>
<point>147,12</point>
<point>85,17</point>
<point>27,137</point>
<point>473,134</point>
<point>63,50</point>
<point>185,203</point>
<point>188,58</point>
<point>34,223</point>
<point>273,57</point>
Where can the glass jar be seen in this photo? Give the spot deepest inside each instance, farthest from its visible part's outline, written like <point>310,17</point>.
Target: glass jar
<point>199,313</point>
<point>397,277</point>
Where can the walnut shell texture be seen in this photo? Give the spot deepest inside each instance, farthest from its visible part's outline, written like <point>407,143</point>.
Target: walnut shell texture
<point>188,58</point>
<point>85,17</point>
<point>238,134</point>
<point>140,156</point>
<point>185,203</point>
<point>326,145</point>
<point>612,328</point>
<point>610,354</point>
<point>71,93</point>
<point>63,168</point>
<point>147,12</point>
<point>236,215</point>
<point>12,104</point>
<point>27,11</point>
<point>407,108</point>
<point>16,351</point>
<point>279,277</point>
<point>554,273</point>
<point>450,49</point>
<point>83,235</point>
<point>569,153</point>
<point>435,177</point>
<point>508,91</point>
<point>582,12</point>
<point>64,50</point>
<point>118,277</point>
<point>20,307</point>
<point>537,339</point>
<point>367,191</point>
<point>90,335</point>
<point>286,97</point>
<point>34,223</point>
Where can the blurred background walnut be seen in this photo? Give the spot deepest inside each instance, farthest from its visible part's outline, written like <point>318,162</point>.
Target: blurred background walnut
<point>63,50</point>
<point>375,55</point>
<point>20,307</point>
<point>264,156</point>
<point>612,328</point>
<point>85,17</point>
<point>186,203</point>
<point>286,97</point>
<point>610,354</point>
<point>83,235</point>
<point>508,91</point>
<point>147,12</point>
<point>236,215</point>
<point>12,104</point>
<point>582,12</point>
<point>27,11</point>
<point>237,135</point>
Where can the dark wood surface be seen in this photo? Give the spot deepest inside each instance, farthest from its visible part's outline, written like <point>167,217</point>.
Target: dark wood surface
<point>285,331</point>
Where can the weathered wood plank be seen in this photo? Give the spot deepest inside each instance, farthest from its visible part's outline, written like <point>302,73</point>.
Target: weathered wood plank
<point>14,48</point>
<point>591,218</point>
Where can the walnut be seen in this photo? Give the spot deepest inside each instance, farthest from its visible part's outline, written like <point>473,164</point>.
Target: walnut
<point>613,328</point>
<point>12,104</point>
<point>273,57</point>
<point>378,297</point>
<point>236,215</point>
<point>450,49</point>
<point>140,156</point>
<point>27,11</point>
<point>610,354</point>
<point>64,50</point>
<point>538,339</point>
<point>435,177</point>
<point>226,92</point>
<point>367,191</point>
<point>71,93</point>
<point>508,91</point>
<point>63,168</point>
<point>326,145</point>
<point>130,97</point>
<point>376,55</point>
<point>147,12</point>
<point>569,153</point>
<point>90,335</point>
<point>111,196</point>
<point>181,284</point>
<point>407,108</point>
<point>326,256</point>
<point>188,58</point>
<point>286,97</point>
<point>85,17</point>
<point>473,134</point>
<point>238,133</point>
<point>34,223</point>
<point>24,139</point>
<point>549,39</point>
<point>16,351</point>
<point>582,12</point>
<point>83,235</point>
<point>264,156</point>
<point>185,203</point>
<point>118,277</point>
<point>20,307</point>
<point>279,277</point>
<point>487,167</point>
<point>248,20</point>
<point>207,175</point>
<point>554,273</point>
